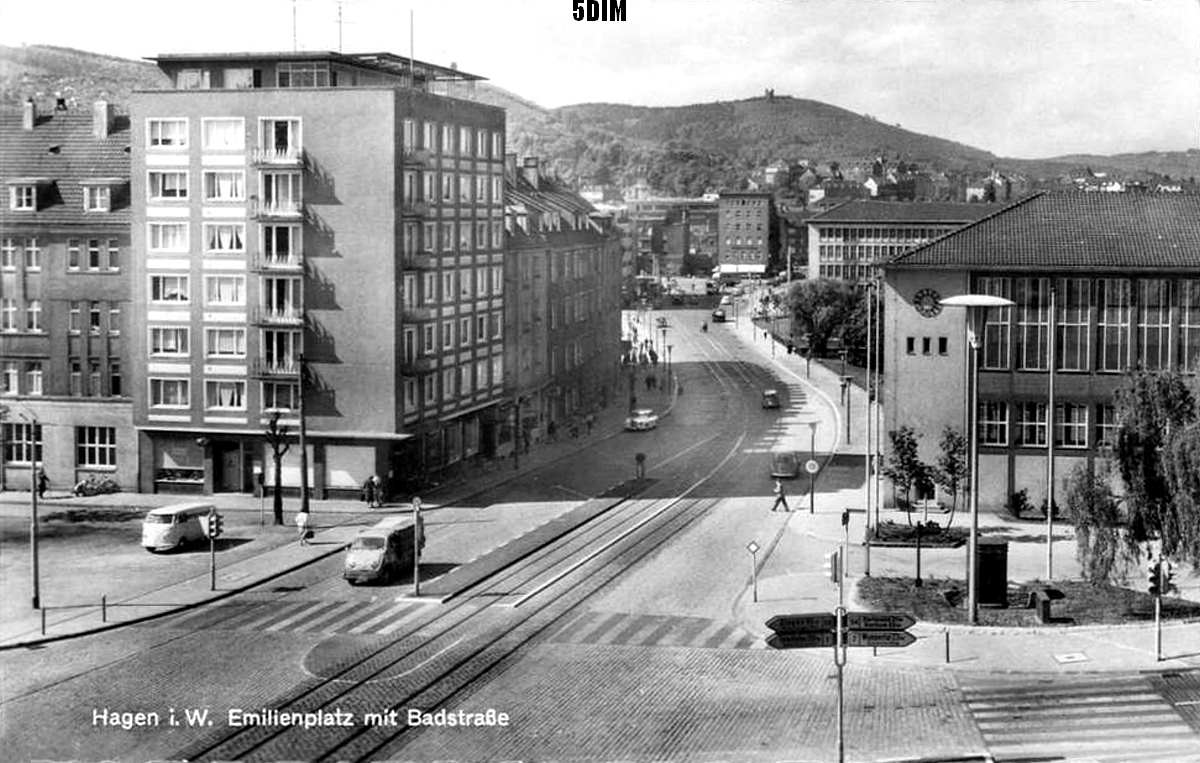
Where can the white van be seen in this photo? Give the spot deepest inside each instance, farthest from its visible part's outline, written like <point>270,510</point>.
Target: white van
<point>383,552</point>
<point>170,527</point>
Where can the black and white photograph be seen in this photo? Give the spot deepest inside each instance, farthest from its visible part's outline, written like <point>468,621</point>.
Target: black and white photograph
<point>600,381</point>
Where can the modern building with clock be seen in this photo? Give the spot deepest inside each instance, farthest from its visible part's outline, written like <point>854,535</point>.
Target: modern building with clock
<point>1125,272</point>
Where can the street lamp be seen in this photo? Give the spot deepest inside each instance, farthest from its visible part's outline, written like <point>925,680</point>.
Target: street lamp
<point>669,366</point>
<point>845,380</point>
<point>812,456</point>
<point>977,306</point>
<point>33,499</point>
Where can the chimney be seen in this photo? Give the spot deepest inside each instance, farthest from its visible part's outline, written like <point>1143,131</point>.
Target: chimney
<point>29,115</point>
<point>530,171</point>
<point>102,117</point>
<point>510,167</point>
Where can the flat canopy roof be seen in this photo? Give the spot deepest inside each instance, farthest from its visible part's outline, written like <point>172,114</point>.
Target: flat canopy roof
<point>738,268</point>
<point>386,62</point>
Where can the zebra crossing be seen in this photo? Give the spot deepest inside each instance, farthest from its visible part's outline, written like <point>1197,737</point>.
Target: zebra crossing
<point>626,629</point>
<point>1087,718</point>
<point>309,616</point>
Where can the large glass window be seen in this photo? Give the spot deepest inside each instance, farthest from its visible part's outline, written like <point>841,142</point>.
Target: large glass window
<point>1070,425</point>
<point>22,443</point>
<point>1106,426</point>
<point>225,342</point>
<point>280,396</point>
<point>281,192</point>
<point>224,185</point>
<point>225,134</point>
<point>170,341</point>
<point>224,238</point>
<point>169,289</point>
<point>168,237</point>
<point>1113,320</point>
<point>281,243</point>
<point>996,332</point>
<point>1072,305</point>
<point>303,75</point>
<point>1189,325</point>
<point>166,133</point>
<point>167,184</point>
<point>225,290</point>
<point>1154,323</point>
<point>1032,327</point>
<point>96,446</point>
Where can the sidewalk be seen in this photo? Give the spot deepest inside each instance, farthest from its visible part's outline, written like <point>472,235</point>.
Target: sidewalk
<point>140,586</point>
<point>791,579</point>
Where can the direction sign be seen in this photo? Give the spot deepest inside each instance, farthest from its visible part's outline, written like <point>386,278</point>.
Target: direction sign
<point>800,640</point>
<point>803,623</point>
<point>811,466</point>
<point>752,547</point>
<point>879,621</point>
<point>880,638</point>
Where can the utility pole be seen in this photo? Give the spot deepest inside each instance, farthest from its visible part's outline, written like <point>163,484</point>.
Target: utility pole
<point>303,444</point>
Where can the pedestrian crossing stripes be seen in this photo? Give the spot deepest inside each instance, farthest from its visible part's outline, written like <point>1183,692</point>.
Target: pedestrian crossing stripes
<point>1094,718</point>
<point>324,617</point>
<point>625,629</point>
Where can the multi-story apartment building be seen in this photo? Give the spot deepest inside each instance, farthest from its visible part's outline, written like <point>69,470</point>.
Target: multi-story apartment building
<point>562,303</point>
<point>1124,270</point>
<point>744,234</point>
<point>317,235</point>
<point>845,241</point>
<point>64,296</point>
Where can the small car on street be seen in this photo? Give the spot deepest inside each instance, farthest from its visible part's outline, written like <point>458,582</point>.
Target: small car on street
<point>726,300</point>
<point>718,316</point>
<point>770,398</point>
<point>641,419</point>
<point>785,464</point>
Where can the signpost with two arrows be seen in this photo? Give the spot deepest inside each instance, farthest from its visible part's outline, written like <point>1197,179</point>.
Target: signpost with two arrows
<point>840,629</point>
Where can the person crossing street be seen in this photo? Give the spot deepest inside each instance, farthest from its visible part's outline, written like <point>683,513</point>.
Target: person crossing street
<point>780,498</point>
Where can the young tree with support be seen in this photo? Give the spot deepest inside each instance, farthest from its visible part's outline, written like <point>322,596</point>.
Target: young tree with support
<point>951,469</point>
<point>276,436</point>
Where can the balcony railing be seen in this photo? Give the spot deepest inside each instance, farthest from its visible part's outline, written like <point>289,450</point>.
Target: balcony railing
<point>285,210</point>
<point>292,156</point>
<point>267,368</point>
<point>269,261</point>
<point>420,313</point>
<point>416,156</point>
<point>420,261</point>
<point>415,209</point>
<point>279,316</point>
<point>420,364</point>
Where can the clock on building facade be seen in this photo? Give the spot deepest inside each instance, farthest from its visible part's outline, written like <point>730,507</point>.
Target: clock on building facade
<point>927,302</point>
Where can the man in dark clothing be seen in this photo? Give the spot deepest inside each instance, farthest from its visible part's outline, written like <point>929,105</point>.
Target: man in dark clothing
<point>780,498</point>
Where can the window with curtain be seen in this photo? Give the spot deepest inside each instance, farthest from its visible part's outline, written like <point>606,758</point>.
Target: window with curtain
<point>169,393</point>
<point>169,340</point>
<point>168,288</point>
<point>224,134</point>
<point>166,133</point>
<point>168,237</point>
<point>228,395</point>
<point>224,185</point>
<point>167,185</point>
<point>224,238</point>
<point>280,396</point>
<point>225,342</point>
<point>225,290</point>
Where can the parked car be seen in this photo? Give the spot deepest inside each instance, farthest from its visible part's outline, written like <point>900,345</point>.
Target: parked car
<point>770,398</point>
<point>718,316</point>
<point>785,464</point>
<point>641,420</point>
<point>726,300</point>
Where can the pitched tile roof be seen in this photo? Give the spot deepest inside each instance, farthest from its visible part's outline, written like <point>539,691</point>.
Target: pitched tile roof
<point>61,149</point>
<point>916,212</point>
<point>1073,231</point>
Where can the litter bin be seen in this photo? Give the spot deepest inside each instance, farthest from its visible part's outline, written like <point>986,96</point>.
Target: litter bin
<point>991,566</point>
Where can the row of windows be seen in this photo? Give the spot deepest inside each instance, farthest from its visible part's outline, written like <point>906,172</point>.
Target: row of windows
<point>909,236</point>
<point>1102,324</point>
<point>220,394</point>
<point>175,342</point>
<point>462,380</point>
<point>738,241</point>
<point>1025,424</point>
<point>910,345</point>
<point>860,252</point>
<point>467,283</point>
<point>94,446</point>
<point>221,185</point>
<point>91,385</point>
<point>99,254</point>
<point>449,140</point>
<point>23,197</point>
<point>11,310</point>
<point>469,329</point>
<point>450,236</point>
<point>449,187</point>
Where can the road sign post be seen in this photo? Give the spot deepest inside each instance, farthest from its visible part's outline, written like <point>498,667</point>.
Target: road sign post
<point>752,547</point>
<point>417,528</point>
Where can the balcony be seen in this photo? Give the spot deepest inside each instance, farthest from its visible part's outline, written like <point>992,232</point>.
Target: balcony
<point>420,261</point>
<point>415,209</point>
<point>266,368</point>
<point>266,261</point>
<point>416,156</point>
<point>276,210</point>
<point>421,364</point>
<point>290,156</point>
<point>287,315</point>
<point>418,313</point>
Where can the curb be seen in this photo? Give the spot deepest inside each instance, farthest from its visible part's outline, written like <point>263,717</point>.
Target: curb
<point>181,608</point>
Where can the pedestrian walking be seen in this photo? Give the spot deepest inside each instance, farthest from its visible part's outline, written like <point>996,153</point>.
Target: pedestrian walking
<point>43,483</point>
<point>640,460</point>
<point>377,490</point>
<point>368,493</point>
<point>525,440</point>
<point>590,419</point>
<point>649,382</point>
<point>552,431</point>
<point>302,526</point>
<point>780,498</point>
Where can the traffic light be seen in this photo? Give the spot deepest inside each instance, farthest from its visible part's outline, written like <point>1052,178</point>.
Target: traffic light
<point>832,567</point>
<point>215,525</point>
<point>1155,570</point>
<point>1168,579</point>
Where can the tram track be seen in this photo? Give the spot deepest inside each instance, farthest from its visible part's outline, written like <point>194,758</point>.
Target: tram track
<point>453,650</point>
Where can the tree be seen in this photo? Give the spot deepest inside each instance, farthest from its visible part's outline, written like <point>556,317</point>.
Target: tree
<point>821,307</point>
<point>277,436</point>
<point>904,467</point>
<point>1181,534</point>
<point>951,469</point>
<point>1149,407</point>
<point>1099,526</point>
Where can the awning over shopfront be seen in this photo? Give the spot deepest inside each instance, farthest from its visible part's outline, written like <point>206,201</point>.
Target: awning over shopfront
<point>739,269</point>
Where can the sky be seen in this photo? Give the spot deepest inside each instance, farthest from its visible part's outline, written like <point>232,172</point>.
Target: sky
<point>1020,78</point>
